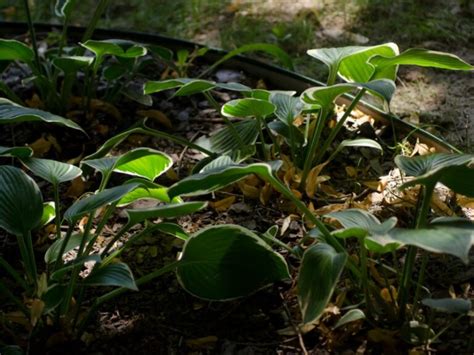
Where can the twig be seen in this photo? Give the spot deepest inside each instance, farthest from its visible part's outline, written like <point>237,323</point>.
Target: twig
<point>295,327</point>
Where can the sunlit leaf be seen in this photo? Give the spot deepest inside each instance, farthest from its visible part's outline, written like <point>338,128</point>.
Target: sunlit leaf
<point>324,96</point>
<point>320,270</point>
<point>422,58</point>
<point>147,190</point>
<point>144,162</point>
<point>48,215</point>
<point>247,108</point>
<point>212,265</point>
<point>21,203</point>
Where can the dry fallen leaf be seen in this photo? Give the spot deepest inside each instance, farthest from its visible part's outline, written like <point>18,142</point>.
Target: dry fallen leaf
<point>266,193</point>
<point>222,205</point>
<point>208,342</point>
<point>37,307</point>
<point>312,181</point>
<point>157,116</point>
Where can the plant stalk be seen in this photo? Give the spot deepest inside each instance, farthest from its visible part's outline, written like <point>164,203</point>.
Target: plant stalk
<point>405,284</point>
<point>321,120</point>
<point>327,143</point>
<point>99,10</point>
<point>31,29</point>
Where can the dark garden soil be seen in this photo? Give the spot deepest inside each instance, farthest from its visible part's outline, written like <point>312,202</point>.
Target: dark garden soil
<point>162,318</point>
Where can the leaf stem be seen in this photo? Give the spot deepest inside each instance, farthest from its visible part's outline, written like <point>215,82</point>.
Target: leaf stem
<point>57,210</point>
<point>405,284</point>
<point>309,154</point>
<point>31,29</point>
<point>327,143</point>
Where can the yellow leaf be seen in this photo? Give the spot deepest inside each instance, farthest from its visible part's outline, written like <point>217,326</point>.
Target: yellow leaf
<point>223,205</point>
<point>330,208</point>
<point>311,181</point>
<point>298,121</point>
<point>385,294</point>
<point>37,307</point>
<point>249,190</point>
<point>440,206</point>
<point>465,202</point>
<point>157,116</point>
<point>351,171</point>
<point>35,102</point>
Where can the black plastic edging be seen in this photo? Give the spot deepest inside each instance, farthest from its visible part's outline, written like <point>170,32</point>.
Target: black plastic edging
<point>277,77</point>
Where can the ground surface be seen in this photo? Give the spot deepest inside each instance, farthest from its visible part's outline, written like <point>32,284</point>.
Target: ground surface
<point>163,317</point>
<point>440,100</point>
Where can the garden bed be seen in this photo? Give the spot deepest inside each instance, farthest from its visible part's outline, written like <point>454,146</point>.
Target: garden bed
<point>163,317</point>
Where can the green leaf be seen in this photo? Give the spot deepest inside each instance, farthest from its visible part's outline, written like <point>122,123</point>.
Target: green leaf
<point>102,165</point>
<point>116,274</point>
<point>453,170</point>
<point>210,181</point>
<point>13,113</point>
<point>351,62</point>
<point>227,261</point>
<point>350,316</point>
<point>143,162</point>
<point>359,142</point>
<point>139,215</point>
<point>288,107</point>
<point>147,190</point>
<point>52,171</point>
<point>324,96</point>
<point>17,152</point>
<point>11,49</point>
<point>247,108</point>
<point>191,86</point>
<point>356,67</point>
<point>49,212</point>
<point>21,203</point>
<point>224,142</point>
<point>117,47</point>
<point>92,202</point>
<point>172,229</point>
<point>63,8</point>
<point>58,274</point>
<point>440,239</point>
<point>74,241</point>
<point>72,64</point>
<point>357,218</point>
<point>320,270</point>
<point>422,58</point>
<point>449,305</point>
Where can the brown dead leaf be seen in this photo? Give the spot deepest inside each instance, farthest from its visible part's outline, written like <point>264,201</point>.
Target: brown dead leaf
<point>19,318</point>
<point>208,342</point>
<point>249,191</point>
<point>44,144</point>
<point>35,102</point>
<point>389,294</point>
<point>351,171</point>
<point>266,193</point>
<point>105,107</point>
<point>312,181</point>
<point>331,208</point>
<point>441,207</point>
<point>137,139</point>
<point>77,188</point>
<point>37,307</point>
<point>465,202</point>
<point>157,116</point>
<point>298,121</point>
<point>385,337</point>
<point>222,205</point>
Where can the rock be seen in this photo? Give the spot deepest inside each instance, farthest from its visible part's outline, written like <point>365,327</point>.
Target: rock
<point>227,76</point>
